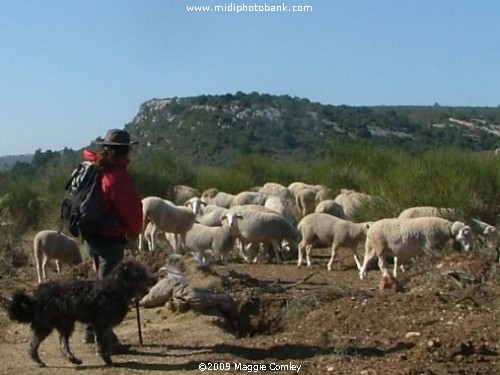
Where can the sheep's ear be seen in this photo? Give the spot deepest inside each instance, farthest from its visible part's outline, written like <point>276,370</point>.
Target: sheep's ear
<point>239,216</point>
<point>223,217</point>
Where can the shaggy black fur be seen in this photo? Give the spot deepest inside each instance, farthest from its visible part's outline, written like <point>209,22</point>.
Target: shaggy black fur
<point>101,303</point>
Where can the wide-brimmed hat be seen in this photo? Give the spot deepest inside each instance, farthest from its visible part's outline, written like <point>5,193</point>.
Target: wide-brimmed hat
<point>116,137</point>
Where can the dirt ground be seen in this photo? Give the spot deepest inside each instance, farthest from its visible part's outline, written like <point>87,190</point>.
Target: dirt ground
<point>445,320</point>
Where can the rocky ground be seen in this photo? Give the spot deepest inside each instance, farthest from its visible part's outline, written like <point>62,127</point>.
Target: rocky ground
<point>444,320</point>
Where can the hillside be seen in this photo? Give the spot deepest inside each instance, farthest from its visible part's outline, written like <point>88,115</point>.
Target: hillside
<point>216,129</point>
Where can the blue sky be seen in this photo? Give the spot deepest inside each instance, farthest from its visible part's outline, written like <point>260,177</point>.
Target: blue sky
<point>70,70</point>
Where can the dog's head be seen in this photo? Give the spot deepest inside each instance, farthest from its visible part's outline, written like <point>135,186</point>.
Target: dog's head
<point>134,277</point>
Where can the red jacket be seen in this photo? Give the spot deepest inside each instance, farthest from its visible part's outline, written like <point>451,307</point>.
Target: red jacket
<point>119,198</point>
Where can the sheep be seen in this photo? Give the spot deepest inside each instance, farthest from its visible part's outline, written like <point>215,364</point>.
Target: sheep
<point>221,240</point>
<point>490,233</point>
<point>351,201</point>
<point>305,200</point>
<point>295,186</point>
<point>248,197</point>
<point>321,228</point>
<point>168,218</point>
<point>51,244</point>
<point>195,204</point>
<point>426,211</point>
<point>408,238</point>
<point>180,194</point>
<point>219,198</point>
<point>282,207</point>
<point>211,215</point>
<point>278,190</point>
<point>261,225</point>
<point>329,206</point>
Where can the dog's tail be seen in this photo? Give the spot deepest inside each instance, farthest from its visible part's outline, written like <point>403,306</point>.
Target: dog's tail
<point>21,308</point>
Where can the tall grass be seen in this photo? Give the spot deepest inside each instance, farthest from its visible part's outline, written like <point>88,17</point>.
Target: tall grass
<point>466,181</point>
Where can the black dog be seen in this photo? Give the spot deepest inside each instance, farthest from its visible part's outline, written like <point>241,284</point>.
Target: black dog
<point>101,303</point>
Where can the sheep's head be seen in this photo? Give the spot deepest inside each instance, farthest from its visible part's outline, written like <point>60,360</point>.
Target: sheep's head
<point>463,235</point>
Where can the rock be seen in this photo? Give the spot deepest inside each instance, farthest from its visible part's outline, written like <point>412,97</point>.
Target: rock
<point>411,335</point>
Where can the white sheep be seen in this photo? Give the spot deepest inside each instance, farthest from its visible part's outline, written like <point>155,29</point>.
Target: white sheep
<point>219,198</point>
<point>248,197</point>
<point>211,215</point>
<point>168,218</point>
<point>426,211</point>
<point>329,206</point>
<point>351,201</point>
<point>195,204</point>
<point>490,233</point>
<point>282,207</point>
<point>261,225</point>
<point>51,244</point>
<point>325,229</point>
<point>220,240</point>
<point>278,190</point>
<point>305,200</point>
<point>408,238</point>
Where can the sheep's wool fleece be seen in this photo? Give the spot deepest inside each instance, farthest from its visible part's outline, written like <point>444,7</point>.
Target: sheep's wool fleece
<point>456,226</point>
<point>433,228</point>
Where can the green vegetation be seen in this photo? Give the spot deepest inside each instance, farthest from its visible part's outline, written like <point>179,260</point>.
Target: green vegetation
<point>236,142</point>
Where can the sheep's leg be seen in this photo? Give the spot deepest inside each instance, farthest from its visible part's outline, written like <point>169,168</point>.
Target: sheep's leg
<point>369,255</point>
<point>329,266</point>
<point>44,263</point>
<point>39,268</point>
<point>497,260</point>
<point>242,252</point>
<point>308,254</point>
<point>58,266</point>
<point>356,259</point>
<point>301,251</point>
<point>140,241</point>
<point>382,265</point>
<point>151,239</point>
<point>277,254</point>
<point>180,243</point>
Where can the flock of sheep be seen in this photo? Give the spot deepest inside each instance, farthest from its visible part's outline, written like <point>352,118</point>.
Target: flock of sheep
<point>273,220</point>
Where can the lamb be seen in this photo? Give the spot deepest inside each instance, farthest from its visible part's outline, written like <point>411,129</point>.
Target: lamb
<point>50,244</point>
<point>329,206</point>
<point>490,233</point>
<point>261,225</point>
<point>408,238</point>
<point>168,218</point>
<point>426,211</point>
<point>221,240</point>
<point>321,228</point>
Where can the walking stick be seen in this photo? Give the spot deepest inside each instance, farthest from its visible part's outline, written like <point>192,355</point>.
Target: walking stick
<point>139,329</point>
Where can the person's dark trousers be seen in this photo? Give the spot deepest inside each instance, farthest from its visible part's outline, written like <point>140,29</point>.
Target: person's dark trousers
<point>107,253</point>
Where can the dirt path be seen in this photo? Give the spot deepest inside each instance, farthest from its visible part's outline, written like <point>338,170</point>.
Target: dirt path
<point>333,323</point>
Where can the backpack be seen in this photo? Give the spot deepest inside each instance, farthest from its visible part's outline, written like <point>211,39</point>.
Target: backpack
<point>81,206</point>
